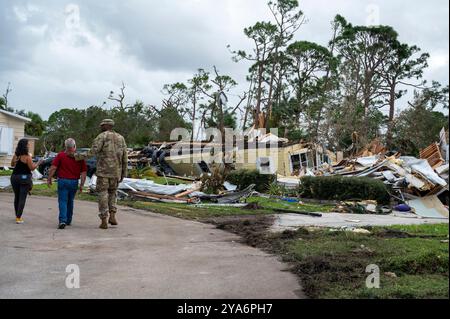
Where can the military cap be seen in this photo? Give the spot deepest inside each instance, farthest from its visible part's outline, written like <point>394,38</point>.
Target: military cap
<point>107,122</point>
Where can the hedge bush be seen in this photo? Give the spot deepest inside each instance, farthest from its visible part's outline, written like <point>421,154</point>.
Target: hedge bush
<point>5,173</point>
<point>244,178</point>
<point>344,188</point>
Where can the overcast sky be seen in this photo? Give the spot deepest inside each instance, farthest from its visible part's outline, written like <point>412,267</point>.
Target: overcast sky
<point>62,53</point>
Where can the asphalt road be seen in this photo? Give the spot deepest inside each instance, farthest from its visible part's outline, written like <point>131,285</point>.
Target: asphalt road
<point>146,256</point>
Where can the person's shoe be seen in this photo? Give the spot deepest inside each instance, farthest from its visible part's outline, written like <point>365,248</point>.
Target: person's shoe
<point>112,219</point>
<point>19,221</point>
<point>62,226</point>
<point>69,224</point>
<point>104,224</point>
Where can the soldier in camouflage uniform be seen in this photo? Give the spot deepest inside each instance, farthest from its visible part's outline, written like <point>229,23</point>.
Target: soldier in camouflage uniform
<point>112,164</point>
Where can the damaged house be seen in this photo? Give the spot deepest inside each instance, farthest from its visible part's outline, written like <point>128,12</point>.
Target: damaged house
<point>268,155</point>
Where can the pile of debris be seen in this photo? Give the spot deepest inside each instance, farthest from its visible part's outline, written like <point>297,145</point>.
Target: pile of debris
<point>147,190</point>
<point>362,207</point>
<point>408,176</point>
<point>153,155</point>
<point>414,183</point>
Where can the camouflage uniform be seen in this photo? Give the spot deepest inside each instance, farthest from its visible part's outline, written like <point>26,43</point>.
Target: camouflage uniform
<point>112,164</point>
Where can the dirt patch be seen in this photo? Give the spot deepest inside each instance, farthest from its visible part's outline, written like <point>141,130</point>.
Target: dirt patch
<point>392,233</point>
<point>387,233</point>
<point>317,273</point>
<point>253,206</point>
<point>252,229</point>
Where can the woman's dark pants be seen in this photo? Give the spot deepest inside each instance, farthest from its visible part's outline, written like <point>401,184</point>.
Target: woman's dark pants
<point>21,185</point>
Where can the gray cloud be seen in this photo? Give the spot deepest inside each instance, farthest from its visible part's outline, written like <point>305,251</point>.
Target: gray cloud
<point>54,60</point>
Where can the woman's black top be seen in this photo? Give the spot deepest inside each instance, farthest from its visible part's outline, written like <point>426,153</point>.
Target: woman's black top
<point>21,169</point>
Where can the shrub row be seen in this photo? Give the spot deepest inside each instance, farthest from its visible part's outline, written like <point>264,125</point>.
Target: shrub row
<point>244,178</point>
<point>344,188</point>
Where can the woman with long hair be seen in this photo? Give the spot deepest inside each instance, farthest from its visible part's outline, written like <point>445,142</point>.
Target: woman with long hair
<point>21,178</point>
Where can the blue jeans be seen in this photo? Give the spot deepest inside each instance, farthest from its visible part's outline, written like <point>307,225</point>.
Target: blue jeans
<point>67,189</point>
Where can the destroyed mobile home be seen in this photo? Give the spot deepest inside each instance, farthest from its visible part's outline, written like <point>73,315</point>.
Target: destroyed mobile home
<point>267,153</point>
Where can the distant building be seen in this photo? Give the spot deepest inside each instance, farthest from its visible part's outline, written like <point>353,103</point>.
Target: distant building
<point>12,129</point>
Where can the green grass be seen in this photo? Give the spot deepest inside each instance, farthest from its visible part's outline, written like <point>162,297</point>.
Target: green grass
<point>44,190</point>
<point>274,203</point>
<point>204,212</point>
<point>424,230</point>
<point>404,287</point>
<point>193,211</point>
<point>332,264</point>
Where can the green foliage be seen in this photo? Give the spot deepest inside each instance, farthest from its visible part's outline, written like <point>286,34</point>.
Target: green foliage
<point>215,113</point>
<point>169,118</point>
<point>419,126</point>
<point>136,123</point>
<point>244,178</point>
<point>309,67</point>
<point>2,103</point>
<point>364,52</point>
<point>5,172</point>
<point>434,96</point>
<point>142,120</point>
<point>229,119</point>
<point>277,189</point>
<point>142,173</point>
<point>349,118</point>
<point>263,34</point>
<point>37,125</point>
<point>67,123</point>
<point>344,188</point>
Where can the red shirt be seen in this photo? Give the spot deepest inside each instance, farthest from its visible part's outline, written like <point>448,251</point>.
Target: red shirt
<point>68,167</point>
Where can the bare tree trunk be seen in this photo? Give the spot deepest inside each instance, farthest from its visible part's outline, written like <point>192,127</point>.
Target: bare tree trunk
<point>392,99</point>
<point>249,101</point>
<point>247,109</point>
<point>326,86</point>
<point>221,117</point>
<point>194,114</point>
<point>120,97</point>
<point>365,132</point>
<point>271,85</point>
<point>259,96</point>
<point>5,96</point>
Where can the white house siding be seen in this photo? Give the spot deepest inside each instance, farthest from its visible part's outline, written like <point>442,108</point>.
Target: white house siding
<point>18,127</point>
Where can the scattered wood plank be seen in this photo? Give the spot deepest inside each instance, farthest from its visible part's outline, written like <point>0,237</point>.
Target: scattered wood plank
<point>188,192</point>
<point>433,155</point>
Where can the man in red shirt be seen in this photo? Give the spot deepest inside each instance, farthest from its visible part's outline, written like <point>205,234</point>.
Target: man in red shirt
<point>69,171</point>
